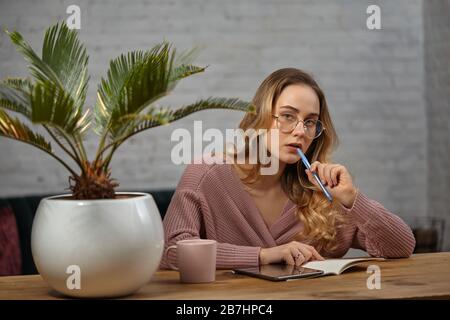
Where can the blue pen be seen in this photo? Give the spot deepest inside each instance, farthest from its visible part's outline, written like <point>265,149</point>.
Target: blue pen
<point>308,166</point>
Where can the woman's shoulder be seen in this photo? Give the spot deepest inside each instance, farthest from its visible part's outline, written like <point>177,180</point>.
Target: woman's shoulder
<point>204,172</point>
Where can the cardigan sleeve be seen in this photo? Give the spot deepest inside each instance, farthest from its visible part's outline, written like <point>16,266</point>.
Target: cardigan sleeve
<point>185,220</point>
<point>379,232</point>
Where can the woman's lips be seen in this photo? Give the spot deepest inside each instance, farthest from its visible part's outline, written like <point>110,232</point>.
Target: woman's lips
<point>292,148</point>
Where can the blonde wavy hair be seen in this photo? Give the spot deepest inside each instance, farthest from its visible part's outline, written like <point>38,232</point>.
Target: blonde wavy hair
<point>320,219</point>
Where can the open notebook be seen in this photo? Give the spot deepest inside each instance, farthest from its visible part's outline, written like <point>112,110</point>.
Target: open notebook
<point>337,266</point>
<point>284,272</point>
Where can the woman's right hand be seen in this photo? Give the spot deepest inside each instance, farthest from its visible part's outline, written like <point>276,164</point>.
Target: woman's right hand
<point>294,253</point>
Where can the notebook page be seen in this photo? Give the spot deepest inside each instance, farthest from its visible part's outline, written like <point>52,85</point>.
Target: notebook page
<point>336,266</point>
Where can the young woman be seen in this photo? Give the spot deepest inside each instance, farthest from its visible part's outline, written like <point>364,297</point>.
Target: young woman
<point>262,219</point>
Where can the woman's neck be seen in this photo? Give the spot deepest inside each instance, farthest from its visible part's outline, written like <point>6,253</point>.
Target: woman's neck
<point>264,182</point>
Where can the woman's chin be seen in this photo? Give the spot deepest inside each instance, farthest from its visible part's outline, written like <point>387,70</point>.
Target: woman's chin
<point>289,158</point>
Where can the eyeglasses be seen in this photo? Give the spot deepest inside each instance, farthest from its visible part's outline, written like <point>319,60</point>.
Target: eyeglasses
<point>287,123</point>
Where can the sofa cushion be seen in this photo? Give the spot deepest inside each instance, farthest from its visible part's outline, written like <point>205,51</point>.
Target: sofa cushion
<point>24,213</point>
<point>10,255</point>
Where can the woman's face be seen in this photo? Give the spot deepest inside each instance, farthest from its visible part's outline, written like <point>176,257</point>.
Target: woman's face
<point>300,102</point>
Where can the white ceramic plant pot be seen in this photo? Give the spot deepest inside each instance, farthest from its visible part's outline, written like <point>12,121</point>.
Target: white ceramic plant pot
<point>107,248</point>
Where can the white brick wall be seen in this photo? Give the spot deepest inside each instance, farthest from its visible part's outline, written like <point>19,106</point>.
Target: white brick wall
<point>437,80</point>
<point>373,81</point>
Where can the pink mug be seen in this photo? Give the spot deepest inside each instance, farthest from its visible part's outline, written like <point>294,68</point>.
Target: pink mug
<point>196,260</point>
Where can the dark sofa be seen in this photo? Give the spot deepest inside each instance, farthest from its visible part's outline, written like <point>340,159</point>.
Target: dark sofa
<point>25,207</point>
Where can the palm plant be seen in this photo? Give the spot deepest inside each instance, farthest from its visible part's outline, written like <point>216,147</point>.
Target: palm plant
<point>125,106</point>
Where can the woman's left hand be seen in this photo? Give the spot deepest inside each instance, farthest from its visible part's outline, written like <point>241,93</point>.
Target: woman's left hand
<point>336,179</point>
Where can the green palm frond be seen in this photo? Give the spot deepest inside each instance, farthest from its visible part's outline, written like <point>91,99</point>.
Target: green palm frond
<point>84,123</point>
<point>187,56</point>
<point>182,66</point>
<point>55,107</point>
<point>61,74</point>
<point>64,60</point>
<point>153,118</point>
<point>161,116</point>
<point>183,71</point>
<point>38,68</point>
<point>212,103</point>
<point>67,57</point>
<point>15,129</point>
<point>82,126</point>
<point>110,89</point>
<point>22,84</point>
<point>134,81</point>
<point>15,96</point>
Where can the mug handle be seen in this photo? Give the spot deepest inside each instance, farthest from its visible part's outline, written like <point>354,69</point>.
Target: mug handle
<point>166,253</point>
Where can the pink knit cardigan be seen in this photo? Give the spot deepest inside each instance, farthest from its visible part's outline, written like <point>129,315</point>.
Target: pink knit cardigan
<point>210,202</point>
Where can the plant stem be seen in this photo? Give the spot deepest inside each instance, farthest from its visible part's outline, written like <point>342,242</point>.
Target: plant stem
<point>62,133</point>
<point>80,145</point>
<point>108,158</point>
<point>48,152</point>
<point>79,159</point>
<point>101,145</point>
<point>106,148</point>
<point>115,145</point>
<point>74,157</point>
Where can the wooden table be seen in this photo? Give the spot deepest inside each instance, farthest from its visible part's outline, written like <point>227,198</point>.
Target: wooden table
<point>420,276</point>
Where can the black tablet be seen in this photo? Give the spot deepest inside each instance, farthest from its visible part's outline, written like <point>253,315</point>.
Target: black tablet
<point>279,272</point>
